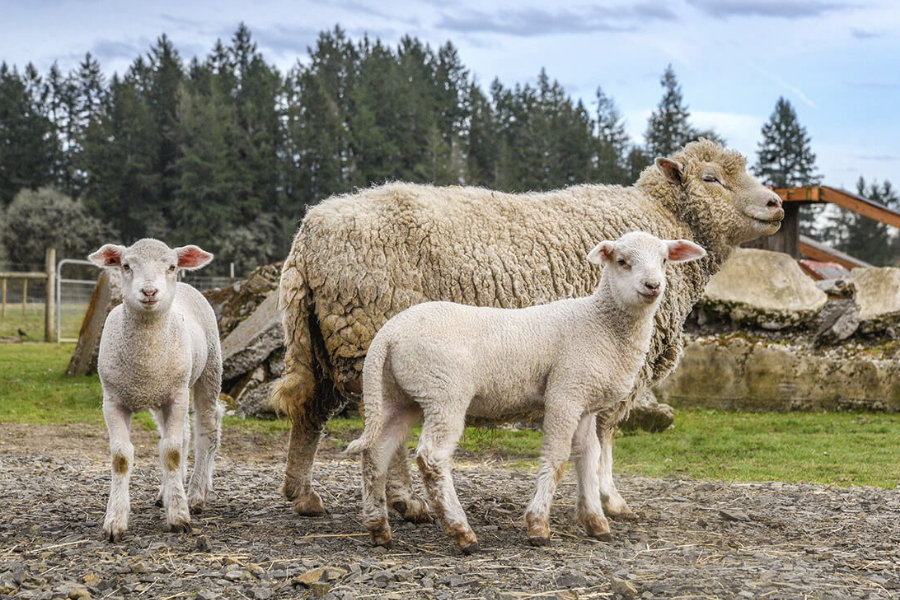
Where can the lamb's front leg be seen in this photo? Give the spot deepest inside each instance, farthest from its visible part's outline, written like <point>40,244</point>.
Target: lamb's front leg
<point>586,451</point>
<point>560,423</point>
<point>118,422</point>
<point>172,418</point>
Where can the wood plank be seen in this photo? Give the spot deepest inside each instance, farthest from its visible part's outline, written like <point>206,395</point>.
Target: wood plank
<point>82,361</point>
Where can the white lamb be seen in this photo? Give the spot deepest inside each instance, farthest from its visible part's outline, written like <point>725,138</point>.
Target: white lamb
<point>568,359</point>
<point>157,347</point>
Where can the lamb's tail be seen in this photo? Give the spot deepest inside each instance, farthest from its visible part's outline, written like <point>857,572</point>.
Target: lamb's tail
<point>373,395</point>
<point>296,386</point>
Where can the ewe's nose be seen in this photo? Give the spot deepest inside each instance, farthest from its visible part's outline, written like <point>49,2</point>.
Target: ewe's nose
<point>149,292</point>
<point>774,202</point>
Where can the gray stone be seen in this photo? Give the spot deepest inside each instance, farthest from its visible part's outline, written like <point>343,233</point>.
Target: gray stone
<point>840,320</point>
<point>764,289</point>
<point>253,340</point>
<point>648,414</point>
<point>622,588</point>
<point>260,593</point>
<point>877,295</point>
<point>733,515</point>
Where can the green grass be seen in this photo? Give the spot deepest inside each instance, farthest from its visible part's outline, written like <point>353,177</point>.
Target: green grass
<point>848,448</point>
<point>32,321</point>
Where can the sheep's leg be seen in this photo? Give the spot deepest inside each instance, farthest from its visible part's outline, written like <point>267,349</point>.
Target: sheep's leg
<point>172,417</point>
<point>440,435</point>
<point>302,446</point>
<point>376,463</point>
<point>586,450</point>
<point>118,423</point>
<point>559,429</point>
<point>207,438</point>
<point>400,494</point>
<point>614,504</point>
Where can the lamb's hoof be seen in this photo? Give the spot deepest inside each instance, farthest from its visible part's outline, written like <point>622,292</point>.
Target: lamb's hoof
<point>471,548</point>
<point>603,537</point>
<point>596,527</point>
<point>415,511</point>
<point>113,536</point>
<point>196,507</point>
<point>537,540</point>
<point>382,542</point>
<point>625,515</point>
<point>180,527</point>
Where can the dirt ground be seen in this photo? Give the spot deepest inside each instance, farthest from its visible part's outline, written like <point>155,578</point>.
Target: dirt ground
<point>693,539</point>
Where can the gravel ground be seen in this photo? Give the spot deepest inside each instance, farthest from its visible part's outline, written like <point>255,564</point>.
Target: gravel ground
<point>694,539</point>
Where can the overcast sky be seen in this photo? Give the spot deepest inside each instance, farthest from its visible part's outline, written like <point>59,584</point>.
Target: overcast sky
<point>836,61</point>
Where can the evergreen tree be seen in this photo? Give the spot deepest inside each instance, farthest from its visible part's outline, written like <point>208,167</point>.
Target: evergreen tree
<point>864,238</point>
<point>611,143</point>
<point>668,128</point>
<point>785,159</point>
<point>27,144</point>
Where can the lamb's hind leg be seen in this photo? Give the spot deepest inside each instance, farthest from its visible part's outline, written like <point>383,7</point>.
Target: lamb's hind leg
<point>208,413</point>
<point>440,434</point>
<point>400,494</point>
<point>586,451</point>
<point>376,462</point>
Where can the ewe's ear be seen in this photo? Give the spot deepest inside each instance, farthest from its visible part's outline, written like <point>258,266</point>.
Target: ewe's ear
<point>192,257</point>
<point>672,170</point>
<point>684,251</point>
<point>602,252</point>
<point>109,255</point>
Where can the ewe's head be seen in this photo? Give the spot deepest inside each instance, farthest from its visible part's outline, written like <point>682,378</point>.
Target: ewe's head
<point>709,188</point>
<point>149,270</point>
<point>635,266</point>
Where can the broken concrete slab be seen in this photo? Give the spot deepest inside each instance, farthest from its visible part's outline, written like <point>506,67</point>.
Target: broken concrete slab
<point>763,289</point>
<point>253,340</point>
<point>877,296</point>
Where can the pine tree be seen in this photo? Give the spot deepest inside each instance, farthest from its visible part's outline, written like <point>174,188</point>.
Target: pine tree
<point>611,143</point>
<point>27,144</point>
<point>785,159</point>
<point>864,238</point>
<point>668,128</point>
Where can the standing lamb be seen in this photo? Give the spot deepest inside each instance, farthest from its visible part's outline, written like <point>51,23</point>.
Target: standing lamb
<point>359,259</point>
<point>157,347</point>
<point>567,359</point>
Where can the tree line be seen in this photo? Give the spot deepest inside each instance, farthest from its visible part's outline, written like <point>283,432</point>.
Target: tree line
<point>226,152</point>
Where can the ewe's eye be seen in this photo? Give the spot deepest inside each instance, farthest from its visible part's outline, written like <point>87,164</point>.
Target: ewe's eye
<point>710,178</point>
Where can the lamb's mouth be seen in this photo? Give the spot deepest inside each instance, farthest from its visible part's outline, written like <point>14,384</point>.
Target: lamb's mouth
<point>648,298</point>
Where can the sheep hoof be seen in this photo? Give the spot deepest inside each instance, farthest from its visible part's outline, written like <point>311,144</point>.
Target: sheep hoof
<point>383,543</point>
<point>603,537</point>
<point>112,537</point>
<point>182,527</point>
<point>308,504</point>
<point>471,548</point>
<point>413,512</point>
<point>536,540</point>
<point>625,515</point>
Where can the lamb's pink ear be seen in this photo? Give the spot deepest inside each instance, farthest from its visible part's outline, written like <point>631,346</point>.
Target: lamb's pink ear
<point>192,257</point>
<point>602,252</point>
<point>109,255</point>
<point>684,251</point>
<point>672,170</point>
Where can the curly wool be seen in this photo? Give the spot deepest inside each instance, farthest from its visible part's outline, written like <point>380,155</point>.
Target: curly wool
<point>361,258</point>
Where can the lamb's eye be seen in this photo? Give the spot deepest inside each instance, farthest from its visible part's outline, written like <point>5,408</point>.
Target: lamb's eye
<point>171,268</point>
<point>126,267</point>
<point>621,262</point>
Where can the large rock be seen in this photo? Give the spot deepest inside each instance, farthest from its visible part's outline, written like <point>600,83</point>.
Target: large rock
<point>253,340</point>
<point>877,296</point>
<point>736,374</point>
<point>763,289</point>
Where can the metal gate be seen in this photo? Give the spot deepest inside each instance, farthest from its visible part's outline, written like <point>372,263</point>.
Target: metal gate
<point>79,284</point>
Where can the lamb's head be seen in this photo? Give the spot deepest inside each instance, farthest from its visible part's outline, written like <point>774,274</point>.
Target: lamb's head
<point>149,270</point>
<point>708,187</point>
<point>635,267</point>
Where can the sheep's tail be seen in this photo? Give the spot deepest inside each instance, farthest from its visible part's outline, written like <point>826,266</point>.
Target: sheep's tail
<point>296,386</point>
<point>373,395</point>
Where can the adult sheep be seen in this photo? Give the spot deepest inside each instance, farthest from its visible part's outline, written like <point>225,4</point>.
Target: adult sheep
<point>361,258</point>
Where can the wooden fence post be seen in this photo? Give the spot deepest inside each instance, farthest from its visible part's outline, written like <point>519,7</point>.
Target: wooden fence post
<point>50,302</point>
